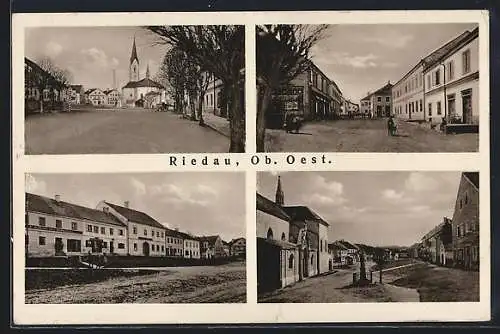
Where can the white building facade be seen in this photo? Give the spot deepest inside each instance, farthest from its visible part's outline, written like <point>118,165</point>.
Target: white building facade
<point>452,83</point>
<point>408,95</point>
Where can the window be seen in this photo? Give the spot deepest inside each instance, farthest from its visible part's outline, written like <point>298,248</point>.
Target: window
<point>58,223</point>
<point>162,248</point>
<point>135,247</point>
<point>290,262</point>
<point>121,232</point>
<point>283,237</point>
<point>157,248</point>
<point>103,230</point>
<point>162,236</point>
<point>460,204</point>
<point>121,245</point>
<point>312,260</point>
<point>89,228</point>
<point>157,234</point>
<point>145,232</point>
<point>437,77</point>
<point>270,233</point>
<point>387,99</point>
<point>111,231</point>
<point>428,81</point>
<point>41,221</point>
<point>152,233</point>
<point>321,245</point>
<point>96,229</point>
<point>451,70</point>
<point>466,61</point>
<point>187,253</point>
<point>430,109</point>
<point>41,241</point>
<point>379,99</point>
<point>74,245</point>
<point>421,109</point>
<point>135,230</point>
<point>438,107</point>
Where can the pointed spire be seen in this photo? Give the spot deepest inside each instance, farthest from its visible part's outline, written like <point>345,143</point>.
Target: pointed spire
<point>147,71</point>
<point>134,53</point>
<point>280,198</point>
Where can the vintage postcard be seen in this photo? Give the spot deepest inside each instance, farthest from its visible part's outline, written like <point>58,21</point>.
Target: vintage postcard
<point>250,167</point>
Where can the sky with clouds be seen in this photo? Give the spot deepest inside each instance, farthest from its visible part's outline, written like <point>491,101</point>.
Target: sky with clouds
<point>200,203</point>
<point>376,208</point>
<point>91,53</point>
<point>362,58</point>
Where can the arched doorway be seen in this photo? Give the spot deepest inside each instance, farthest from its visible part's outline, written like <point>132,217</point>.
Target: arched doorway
<point>145,249</point>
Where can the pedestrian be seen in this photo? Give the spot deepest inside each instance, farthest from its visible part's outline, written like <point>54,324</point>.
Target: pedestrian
<point>389,126</point>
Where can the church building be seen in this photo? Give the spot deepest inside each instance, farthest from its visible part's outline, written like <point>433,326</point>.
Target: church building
<point>144,93</point>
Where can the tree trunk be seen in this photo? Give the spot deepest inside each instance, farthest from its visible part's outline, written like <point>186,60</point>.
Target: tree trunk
<point>237,119</point>
<point>200,110</point>
<point>192,106</point>
<point>262,106</point>
<point>380,274</point>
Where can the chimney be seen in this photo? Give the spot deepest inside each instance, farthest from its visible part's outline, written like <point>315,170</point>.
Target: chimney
<point>126,204</point>
<point>57,197</point>
<point>177,229</point>
<point>105,209</point>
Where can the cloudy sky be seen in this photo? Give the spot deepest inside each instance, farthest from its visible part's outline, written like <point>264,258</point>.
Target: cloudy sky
<point>201,203</point>
<point>91,53</point>
<point>362,58</point>
<point>376,208</point>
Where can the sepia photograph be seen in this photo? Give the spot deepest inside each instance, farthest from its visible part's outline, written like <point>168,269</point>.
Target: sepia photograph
<point>357,237</point>
<point>135,238</point>
<point>152,89</point>
<point>368,88</point>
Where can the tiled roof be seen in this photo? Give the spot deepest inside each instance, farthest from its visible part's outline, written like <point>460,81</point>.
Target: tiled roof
<point>473,177</point>
<point>269,207</point>
<point>303,213</point>
<point>347,244</point>
<point>146,82</point>
<point>210,238</point>
<point>136,216</point>
<point>444,50</point>
<point>37,203</point>
<point>384,90</point>
<point>173,233</point>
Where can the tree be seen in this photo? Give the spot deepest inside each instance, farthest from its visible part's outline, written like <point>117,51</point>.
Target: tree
<point>173,70</point>
<point>283,52</point>
<point>46,75</point>
<point>218,50</point>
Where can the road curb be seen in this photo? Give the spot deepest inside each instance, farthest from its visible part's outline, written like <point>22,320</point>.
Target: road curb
<point>216,129</point>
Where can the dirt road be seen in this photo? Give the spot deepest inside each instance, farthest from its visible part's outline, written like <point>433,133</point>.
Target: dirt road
<point>334,288</point>
<point>207,284</point>
<point>367,136</point>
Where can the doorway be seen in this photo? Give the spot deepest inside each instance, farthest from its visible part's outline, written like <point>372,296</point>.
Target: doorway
<point>467,106</point>
<point>58,246</point>
<point>145,249</point>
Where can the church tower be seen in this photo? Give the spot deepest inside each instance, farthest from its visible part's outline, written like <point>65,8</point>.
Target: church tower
<point>147,72</point>
<point>134,64</point>
<point>280,198</point>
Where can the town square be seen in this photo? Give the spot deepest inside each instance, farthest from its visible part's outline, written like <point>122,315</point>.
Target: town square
<point>368,88</point>
<point>334,237</point>
<point>97,90</point>
<point>135,238</point>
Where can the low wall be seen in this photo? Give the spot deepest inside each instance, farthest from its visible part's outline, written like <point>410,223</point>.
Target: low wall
<point>462,128</point>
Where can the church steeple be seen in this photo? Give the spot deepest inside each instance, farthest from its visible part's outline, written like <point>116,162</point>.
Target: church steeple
<point>133,56</point>
<point>133,71</point>
<point>280,197</point>
<point>147,72</point>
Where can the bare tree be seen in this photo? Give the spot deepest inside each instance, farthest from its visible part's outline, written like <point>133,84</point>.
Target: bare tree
<point>51,77</point>
<point>283,52</point>
<point>218,50</point>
